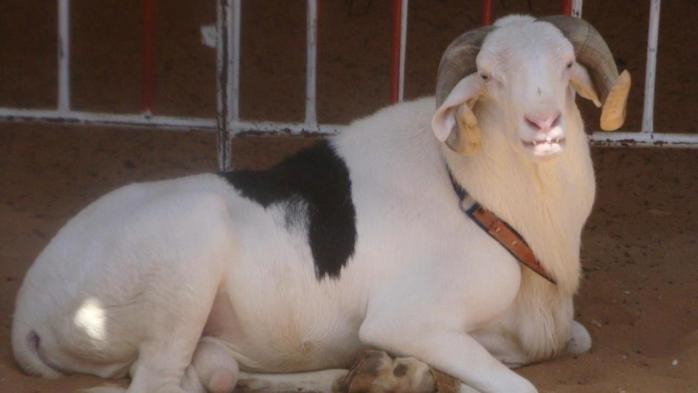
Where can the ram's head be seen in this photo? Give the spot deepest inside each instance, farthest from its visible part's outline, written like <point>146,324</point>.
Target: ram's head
<point>524,73</point>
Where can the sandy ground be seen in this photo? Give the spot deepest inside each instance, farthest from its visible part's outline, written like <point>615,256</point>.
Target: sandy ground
<point>640,294</point>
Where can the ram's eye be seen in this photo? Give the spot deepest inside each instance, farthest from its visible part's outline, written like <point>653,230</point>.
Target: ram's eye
<point>485,77</point>
<point>569,65</point>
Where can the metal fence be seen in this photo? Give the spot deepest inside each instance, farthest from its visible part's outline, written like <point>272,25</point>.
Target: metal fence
<point>228,121</point>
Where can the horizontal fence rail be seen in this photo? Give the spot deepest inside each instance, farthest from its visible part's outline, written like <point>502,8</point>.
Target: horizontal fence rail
<point>228,122</point>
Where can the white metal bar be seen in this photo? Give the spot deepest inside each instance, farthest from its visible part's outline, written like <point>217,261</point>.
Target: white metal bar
<point>577,8</point>
<point>636,139</point>
<point>311,63</point>
<point>281,127</point>
<point>642,139</point>
<point>403,45</point>
<point>142,120</point>
<point>650,72</point>
<point>64,55</point>
<point>79,117</point>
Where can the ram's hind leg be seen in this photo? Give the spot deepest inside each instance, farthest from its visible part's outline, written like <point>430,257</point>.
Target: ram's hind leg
<point>213,368</point>
<point>165,355</point>
<point>192,250</point>
<point>167,352</point>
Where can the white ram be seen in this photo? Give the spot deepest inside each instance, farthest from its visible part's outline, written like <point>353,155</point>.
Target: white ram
<point>357,242</point>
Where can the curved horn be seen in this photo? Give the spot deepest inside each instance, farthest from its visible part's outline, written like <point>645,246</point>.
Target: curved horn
<point>592,51</point>
<point>458,61</point>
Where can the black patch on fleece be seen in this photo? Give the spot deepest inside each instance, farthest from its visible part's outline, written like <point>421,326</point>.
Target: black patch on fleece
<point>313,182</point>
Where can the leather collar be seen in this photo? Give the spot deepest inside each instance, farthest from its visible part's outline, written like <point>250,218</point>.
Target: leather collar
<point>502,232</point>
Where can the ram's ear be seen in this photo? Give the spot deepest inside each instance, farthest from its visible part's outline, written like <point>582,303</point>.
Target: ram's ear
<point>581,81</point>
<point>454,122</point>
<point>613,109</point>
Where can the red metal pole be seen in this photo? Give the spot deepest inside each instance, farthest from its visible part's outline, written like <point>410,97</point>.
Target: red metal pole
<point>148,55</point>
<point>486,12</point>
<point>567,7</point>
<point>395,53</point>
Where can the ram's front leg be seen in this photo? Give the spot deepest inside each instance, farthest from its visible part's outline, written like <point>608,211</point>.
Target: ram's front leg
<point>452,352</point>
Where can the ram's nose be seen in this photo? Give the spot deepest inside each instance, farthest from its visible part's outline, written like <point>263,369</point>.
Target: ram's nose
<point>542,121</point>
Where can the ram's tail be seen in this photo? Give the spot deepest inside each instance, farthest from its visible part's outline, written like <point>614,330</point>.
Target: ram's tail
<point>26,346</point>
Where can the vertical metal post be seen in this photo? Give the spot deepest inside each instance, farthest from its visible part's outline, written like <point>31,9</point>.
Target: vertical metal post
<point>566,7</point>
<point>64,55</point>
<point>577,8</point>
<point>148,55</point>
<point>486,15</point>
<point>228,76</point>
<point>234,52</point>
<point>311,64</point>
<point>572,8</point>
<point>650,72</point>
<point>395,52</point>
<point>403,48</point>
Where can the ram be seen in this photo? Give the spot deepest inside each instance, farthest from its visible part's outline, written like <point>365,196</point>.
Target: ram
<point>385,236</point>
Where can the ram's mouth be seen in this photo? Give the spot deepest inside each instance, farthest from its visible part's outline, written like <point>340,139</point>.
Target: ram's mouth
<point>544,147</point>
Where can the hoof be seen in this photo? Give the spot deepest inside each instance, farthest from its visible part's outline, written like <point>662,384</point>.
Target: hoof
<point>377,372</point>
<point>580,340</point>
